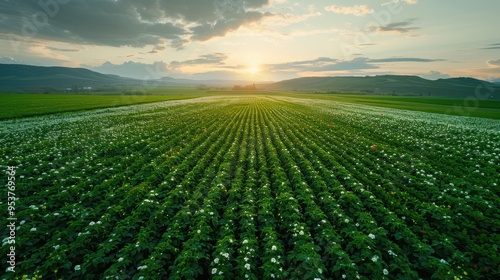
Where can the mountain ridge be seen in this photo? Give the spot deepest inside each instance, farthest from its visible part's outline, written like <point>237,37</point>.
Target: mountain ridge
<point>19,78</point>
<point>391,85</point>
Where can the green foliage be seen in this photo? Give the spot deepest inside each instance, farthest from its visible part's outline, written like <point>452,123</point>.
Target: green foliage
<point>255,187</point>
<point>26,105</point>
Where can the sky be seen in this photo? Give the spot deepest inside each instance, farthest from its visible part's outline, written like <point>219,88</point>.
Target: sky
<point>255,40</point>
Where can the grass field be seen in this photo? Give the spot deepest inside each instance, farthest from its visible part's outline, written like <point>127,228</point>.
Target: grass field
<point>16,105</point>
<point>471,107</point>
<point>252,187</point>
<point>25,105</point>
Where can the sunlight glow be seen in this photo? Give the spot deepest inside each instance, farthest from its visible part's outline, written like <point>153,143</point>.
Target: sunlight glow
<point>253,70</point>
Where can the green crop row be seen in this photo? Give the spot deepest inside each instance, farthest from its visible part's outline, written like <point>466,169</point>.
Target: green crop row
<point>254,187</point>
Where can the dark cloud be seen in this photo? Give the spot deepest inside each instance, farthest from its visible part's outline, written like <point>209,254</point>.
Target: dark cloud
<point>207,31</point>
<point>128,22</point>
<point>61,49</point>
<point>395,27</point>
<point>492,47</point>
<point>403,59</point>
<point>329,64</point>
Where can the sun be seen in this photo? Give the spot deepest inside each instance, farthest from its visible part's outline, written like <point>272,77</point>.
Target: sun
<point>253,70</point>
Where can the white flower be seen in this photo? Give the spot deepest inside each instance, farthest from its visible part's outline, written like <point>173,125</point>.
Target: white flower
<point>56,247</point>
<point>344,276</point>
<point>320,271</point>
<point>375,258</point>
<point>245,241</point>
<point>214,270</point>
<point>120,259</point>
<point>216,260</point>
<point>301,232</point>
<point>272,276</point>
<point>371,235</point>
<point>346,220</point>
<point>385,271</point>
<point>77,267</point>
<point>442,261</point>
<point>247,266</point>
<point>91,223</point>
<point>33,229</point>
<point>273,260</point>
<point>274,248</point>
<point>141,278</point>
<point>198,231</point>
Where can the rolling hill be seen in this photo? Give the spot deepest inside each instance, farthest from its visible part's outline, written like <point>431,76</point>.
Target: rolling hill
<point>27,78</point>
<point>36,79</point>
<point>16,78</point>
<point>390,85</point>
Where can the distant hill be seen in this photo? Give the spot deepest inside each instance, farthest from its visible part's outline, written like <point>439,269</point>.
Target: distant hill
<point>27,78</point>
<point>389,85</point>
<point>36,79</point>
<point>18,78</point>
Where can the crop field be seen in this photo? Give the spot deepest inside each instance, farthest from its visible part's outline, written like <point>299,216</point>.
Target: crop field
<point>470,107</point>
<point>252,187</point>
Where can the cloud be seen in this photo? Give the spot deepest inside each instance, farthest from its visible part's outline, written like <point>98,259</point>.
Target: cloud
<point>9,60</point>
<point>213,65</point>
<point>357,10</point>
<point>62,49</point>
<point>323,64</point>
<point>158,69</point>
<point>207,59</point>
<point>409,2</point>
<point>207,31</point>
<point>128,22</point>
<point>434,75</point>
<point>493,62</point>
<point>492,47</point>
<point>404,59</point>
<point>395,27</point>
<point>304,65</point>
<point>135,70</point>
